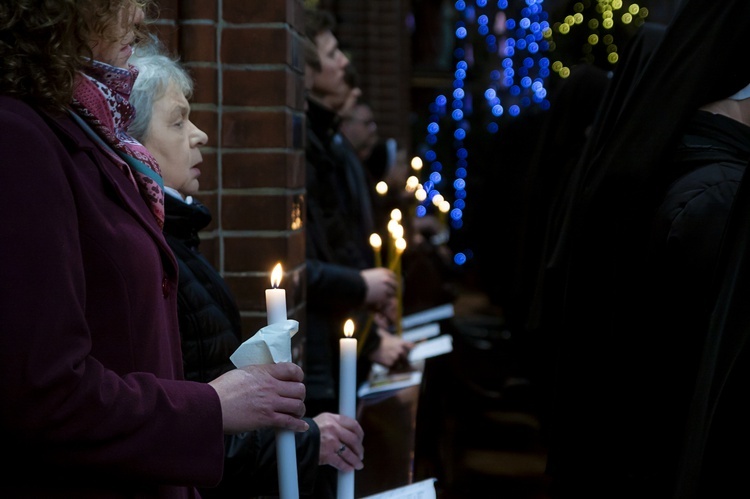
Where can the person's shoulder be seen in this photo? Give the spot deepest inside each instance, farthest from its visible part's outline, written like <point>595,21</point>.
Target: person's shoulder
<point>710,176</point>
<point>19,113</point>
<point>707,192</point>
<point>25,129</point>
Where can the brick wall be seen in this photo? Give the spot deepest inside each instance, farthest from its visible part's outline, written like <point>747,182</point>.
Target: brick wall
<point>247,63</point>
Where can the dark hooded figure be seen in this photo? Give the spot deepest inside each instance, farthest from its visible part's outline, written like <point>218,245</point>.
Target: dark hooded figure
<point>632,269</point>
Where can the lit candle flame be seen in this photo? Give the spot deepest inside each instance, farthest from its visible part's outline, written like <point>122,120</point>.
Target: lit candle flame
<point>381,188</point>
<point>400,244</point>
<point>397,231</point>
<point>391,225</point>
<point>396,214</point>
<point>349,328</point>
<point>375,241</point>
<point>276,274</point>
<point>445,206</point>
<point>412,183</point>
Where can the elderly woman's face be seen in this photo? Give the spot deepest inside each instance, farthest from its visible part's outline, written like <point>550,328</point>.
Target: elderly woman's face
<point>175,141</point>
<point>115,49</point>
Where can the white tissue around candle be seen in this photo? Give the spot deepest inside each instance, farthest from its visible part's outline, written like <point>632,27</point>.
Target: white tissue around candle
<point>347,398</point>
<point>276,298</point>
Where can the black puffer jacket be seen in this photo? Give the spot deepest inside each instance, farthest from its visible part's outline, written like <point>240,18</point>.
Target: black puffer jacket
<point>210,332</point>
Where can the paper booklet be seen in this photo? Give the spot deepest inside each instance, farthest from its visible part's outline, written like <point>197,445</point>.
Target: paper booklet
<point>420,490</point>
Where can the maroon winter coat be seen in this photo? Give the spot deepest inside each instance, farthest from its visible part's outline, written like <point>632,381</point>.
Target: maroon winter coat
<point>92,401</point>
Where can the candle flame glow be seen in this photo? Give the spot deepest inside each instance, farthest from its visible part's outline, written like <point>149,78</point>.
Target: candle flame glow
<point>381,188</point>
<point>349,328</point>
<point>416,163</point>
<point>276,274</point>
<point>400,244</point>
<point>375,240</point>
<point>396,214</point>
<point>412,183</point>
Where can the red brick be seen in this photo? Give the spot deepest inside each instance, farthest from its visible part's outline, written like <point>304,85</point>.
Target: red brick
<point>257,129</point>
<point>255,254</point>
<point>256,212</point>
<point>198,42</point>
<point>256,45</point>
<point>258,87</point>
<point>206,86</point>
<point>199,9</point>
<point>242,11</point>
<point>264,169</point>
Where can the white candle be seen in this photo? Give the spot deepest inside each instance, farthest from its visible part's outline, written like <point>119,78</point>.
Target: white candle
<point>276,298</point>
<point>347,398</point>
<point>286,447</point>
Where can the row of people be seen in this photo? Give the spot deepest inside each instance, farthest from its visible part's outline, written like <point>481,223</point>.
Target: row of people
<point>95,396</point>
<point>97,130</point>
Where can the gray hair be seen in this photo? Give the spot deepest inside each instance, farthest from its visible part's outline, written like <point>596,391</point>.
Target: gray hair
<point>155,72</point>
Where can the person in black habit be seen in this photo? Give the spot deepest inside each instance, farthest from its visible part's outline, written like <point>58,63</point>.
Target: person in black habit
<point>632,273</point>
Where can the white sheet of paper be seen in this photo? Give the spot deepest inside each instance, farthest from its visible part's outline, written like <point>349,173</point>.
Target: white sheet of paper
<point>422,332</point>
<point>432,348</point>
<point>429,315</point>
<point>388,383</point>
<point>424,489</point>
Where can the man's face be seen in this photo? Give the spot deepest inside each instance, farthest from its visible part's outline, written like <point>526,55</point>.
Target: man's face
<point>330,79</point>
<point>358,125</point>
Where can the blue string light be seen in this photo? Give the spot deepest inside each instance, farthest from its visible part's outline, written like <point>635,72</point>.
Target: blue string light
<point>516,85</point>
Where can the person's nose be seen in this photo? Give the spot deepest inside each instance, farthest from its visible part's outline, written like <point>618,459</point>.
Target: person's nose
<point>343,59</point>
<point>198,137</point>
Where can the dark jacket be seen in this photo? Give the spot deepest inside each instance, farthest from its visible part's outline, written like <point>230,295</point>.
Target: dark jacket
<point>335,289</point>
<point>645,322</point>
<point>90,342</point>
<point>211,331</point>
<point>687,237</point>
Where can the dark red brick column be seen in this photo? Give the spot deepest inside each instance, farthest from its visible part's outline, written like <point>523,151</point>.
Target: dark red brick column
<point>247,63</point>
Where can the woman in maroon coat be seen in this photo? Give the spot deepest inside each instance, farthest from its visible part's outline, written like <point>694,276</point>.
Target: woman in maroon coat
<point>94,403</point>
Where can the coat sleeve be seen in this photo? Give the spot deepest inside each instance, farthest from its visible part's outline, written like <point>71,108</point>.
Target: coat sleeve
<point>334,287</point>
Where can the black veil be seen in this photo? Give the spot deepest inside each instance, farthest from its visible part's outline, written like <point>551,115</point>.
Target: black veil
<point>592,301</point>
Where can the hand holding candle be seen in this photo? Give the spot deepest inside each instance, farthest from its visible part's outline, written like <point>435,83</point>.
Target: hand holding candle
<point>286,447</point>
<point>347,398</point>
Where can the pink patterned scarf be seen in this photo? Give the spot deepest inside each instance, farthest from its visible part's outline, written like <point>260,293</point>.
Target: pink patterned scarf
<point>101,98</point>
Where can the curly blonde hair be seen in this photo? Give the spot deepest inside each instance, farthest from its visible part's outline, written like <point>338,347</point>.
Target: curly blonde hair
<point>44,44</point>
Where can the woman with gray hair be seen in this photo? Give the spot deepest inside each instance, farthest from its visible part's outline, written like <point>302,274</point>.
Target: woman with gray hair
<point>209,319</point>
